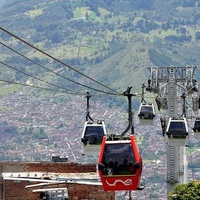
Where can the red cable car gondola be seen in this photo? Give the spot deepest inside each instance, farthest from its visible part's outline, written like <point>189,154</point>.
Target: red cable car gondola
<point>120,164</point>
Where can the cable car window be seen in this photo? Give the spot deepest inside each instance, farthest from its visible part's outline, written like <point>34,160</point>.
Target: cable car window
<point>94,134</point>
<point>177,129</point>
<point>174,126</point>
<point>146,109</point>
<point>197,124</point>
<point>118,159</point>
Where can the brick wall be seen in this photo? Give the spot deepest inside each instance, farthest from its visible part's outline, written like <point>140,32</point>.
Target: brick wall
<point>46,167</point>
<point>15,190</point>
<point>77,192</point>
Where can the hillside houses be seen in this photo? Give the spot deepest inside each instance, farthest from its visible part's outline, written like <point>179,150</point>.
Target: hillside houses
<point>34,129</point>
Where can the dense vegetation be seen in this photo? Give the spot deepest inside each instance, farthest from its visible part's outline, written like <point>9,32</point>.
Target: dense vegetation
<point>121,38</point>
<point>112,41</point>
<point>190,191</point>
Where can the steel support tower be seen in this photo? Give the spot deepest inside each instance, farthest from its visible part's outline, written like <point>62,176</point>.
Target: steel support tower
<point>172,86</point>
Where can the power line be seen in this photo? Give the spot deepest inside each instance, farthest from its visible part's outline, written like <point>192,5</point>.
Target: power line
<point>55,72</point>
<point>13,35</point>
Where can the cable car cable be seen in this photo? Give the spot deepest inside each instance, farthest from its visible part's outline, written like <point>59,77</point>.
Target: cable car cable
<point>38,87</point>
<point>48,55</point>
<point>34,76</point>
<point>57,73</point>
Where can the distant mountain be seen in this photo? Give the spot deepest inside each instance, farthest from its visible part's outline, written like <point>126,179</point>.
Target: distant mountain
<point>113,41</point>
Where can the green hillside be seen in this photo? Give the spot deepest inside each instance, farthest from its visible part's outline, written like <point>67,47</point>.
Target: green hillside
<point>112,41</point>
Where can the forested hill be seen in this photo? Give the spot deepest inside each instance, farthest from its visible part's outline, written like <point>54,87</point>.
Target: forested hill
<point>113,41</point>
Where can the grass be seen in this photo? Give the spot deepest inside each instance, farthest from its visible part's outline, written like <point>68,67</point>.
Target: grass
<point>3,108</point>
<point>33,13</point>
<point>139,139</point>
<point>9,89</point>
<point>4,56</point>
<point>81,12</point>
<point>103,12</point>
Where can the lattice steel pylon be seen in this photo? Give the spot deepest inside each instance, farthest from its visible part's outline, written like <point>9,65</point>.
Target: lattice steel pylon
<point>173,85</point>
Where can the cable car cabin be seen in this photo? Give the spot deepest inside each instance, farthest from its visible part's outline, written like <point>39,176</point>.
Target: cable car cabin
<point>120,164</point>
<point>196,127</point>
<point>177,128</point>
<point>93,133</point>
<point>146,113</point>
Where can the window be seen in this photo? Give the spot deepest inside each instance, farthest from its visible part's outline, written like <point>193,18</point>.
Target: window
<point>53,193</point>
<point>94,134</point>
<point>118,159</point>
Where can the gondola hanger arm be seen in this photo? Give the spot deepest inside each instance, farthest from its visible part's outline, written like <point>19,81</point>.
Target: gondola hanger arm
<point>130,114</point>
<point>88,95</point>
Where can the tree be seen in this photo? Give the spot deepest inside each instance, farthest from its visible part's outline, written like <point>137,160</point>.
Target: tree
<point>190,191</point>
<point>86,16</point>
<point>197,35</point>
